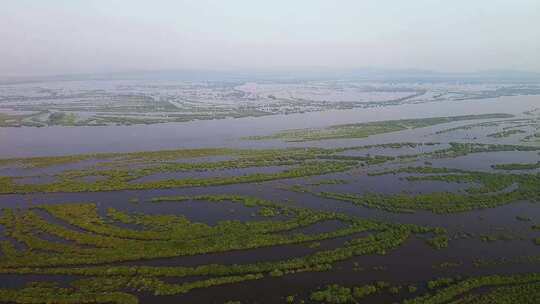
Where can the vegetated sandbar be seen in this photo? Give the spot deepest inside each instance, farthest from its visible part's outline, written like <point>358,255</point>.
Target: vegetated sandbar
<point>360,130</point>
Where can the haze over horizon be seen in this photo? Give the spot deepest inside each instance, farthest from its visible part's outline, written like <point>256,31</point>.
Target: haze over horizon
<point>68,37</point>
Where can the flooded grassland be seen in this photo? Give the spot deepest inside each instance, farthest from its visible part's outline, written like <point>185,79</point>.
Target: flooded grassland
<point>440,207</point>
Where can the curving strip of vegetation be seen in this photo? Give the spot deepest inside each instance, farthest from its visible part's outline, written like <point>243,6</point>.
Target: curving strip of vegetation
<point>92,249</point>
<point>522,288</point>
<point>361,130</point>
<point>494,190</point>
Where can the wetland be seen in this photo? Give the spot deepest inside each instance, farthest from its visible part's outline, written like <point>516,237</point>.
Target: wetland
<point>269,192</point>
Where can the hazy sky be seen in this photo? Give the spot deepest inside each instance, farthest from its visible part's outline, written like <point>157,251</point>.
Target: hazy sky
<point>80,36</point>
